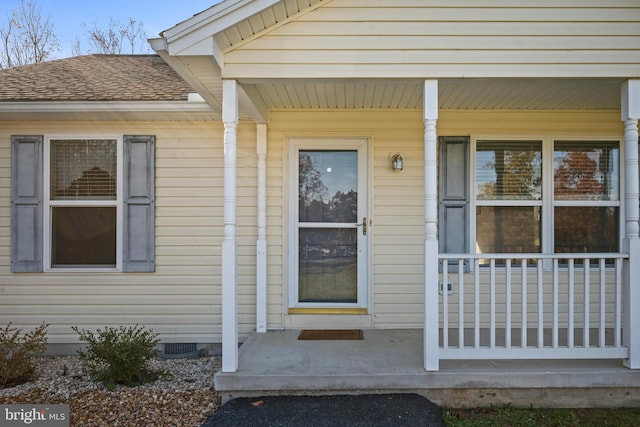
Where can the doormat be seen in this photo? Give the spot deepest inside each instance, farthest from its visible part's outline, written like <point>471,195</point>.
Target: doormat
<point>331,334</point>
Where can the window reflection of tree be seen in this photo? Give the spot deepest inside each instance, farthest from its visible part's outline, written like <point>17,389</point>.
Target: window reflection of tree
<point>316,205</point>
<point>517,177</point>
<point>311,190</point>
<point>584,174</point>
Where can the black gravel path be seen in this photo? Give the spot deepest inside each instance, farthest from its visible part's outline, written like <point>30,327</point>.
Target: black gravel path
<point>324,411</point>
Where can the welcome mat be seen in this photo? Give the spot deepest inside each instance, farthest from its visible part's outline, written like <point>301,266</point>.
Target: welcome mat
<point>331,334</point>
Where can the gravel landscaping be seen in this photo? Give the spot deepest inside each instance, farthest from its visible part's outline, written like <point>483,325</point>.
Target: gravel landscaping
<point>184,397</point>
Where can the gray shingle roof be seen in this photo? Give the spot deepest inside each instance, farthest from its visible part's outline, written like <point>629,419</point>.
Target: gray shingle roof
<point>94,78</point>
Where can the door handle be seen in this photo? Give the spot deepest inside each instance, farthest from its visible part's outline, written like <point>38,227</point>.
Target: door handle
<point>364,225</point>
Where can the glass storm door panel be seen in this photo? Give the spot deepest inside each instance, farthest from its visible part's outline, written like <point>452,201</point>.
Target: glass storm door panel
<point>330,231</point>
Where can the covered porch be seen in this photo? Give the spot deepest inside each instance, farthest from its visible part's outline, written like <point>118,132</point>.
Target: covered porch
<point>507,306</point>
<point>514,320</point>
<point>277,362</point>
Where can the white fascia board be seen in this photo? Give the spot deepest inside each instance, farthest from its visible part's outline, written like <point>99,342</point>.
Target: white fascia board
<point>204,47</point>
<point>158,44</point>
<point>105,106</point>
<point>190,78</point>
<point>218,18</point>
<point>197,32</point>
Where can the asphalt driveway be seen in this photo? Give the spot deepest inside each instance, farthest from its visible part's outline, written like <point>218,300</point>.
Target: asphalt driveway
<point>323,411</point>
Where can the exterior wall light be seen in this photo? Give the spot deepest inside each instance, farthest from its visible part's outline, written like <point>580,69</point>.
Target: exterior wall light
<point>397,161</point>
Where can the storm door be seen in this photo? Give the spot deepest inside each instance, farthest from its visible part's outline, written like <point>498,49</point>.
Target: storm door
<point>329,221</point>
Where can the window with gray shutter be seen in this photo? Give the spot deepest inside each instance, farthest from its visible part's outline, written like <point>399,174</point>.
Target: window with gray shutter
<point>27,183</point>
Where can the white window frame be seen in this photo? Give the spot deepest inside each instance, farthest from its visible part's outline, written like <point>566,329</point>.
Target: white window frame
<point>547,202</point>
<point>515,203</point>
<point>48,204</point>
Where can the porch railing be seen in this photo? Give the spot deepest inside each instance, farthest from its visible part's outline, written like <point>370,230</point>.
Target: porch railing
<point>506,306</point>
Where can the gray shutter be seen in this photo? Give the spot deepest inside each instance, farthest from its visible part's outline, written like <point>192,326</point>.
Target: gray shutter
<point>453,196</point>
<point>139,204</point>
<point>26,203</point>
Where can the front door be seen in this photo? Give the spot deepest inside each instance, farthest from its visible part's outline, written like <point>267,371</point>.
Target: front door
<point>328,224</point>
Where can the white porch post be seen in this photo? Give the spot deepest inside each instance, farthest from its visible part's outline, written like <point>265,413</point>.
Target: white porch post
<point>631,290</point>
<point>261,245</point>
<point>229,244</point>
<point>431,341</point>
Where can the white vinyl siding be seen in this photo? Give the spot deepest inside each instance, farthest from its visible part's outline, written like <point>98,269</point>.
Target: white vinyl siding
<point>415,39</point>
<point>181,300</point>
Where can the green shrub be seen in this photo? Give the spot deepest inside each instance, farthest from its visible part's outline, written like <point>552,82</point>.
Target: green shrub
<point>18,354</point>
<point>119,355</point>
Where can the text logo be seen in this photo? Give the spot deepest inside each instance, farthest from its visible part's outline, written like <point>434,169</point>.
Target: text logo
<point>34,415</point>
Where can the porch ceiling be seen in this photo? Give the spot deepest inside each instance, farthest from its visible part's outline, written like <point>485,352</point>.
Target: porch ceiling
<point>454,94</point>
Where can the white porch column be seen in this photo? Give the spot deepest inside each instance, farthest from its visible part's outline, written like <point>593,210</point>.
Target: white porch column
<point>631,290</point>
<point>229,244</point>
<point>431,341</point>
<point>261,245</point>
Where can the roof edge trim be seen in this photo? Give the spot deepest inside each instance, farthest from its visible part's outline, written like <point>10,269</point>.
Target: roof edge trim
<point>222,16</point>
<point>104,106</point>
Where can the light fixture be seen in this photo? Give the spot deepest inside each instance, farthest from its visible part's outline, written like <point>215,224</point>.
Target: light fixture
<point>397,161</point>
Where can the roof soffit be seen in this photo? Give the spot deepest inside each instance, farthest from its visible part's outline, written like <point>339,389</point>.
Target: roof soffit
<point>189,37</point>
<point>218,29</point>
<point>230,23</point>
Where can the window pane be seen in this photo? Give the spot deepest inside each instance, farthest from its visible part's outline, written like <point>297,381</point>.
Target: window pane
<point>586,229</point>
<point>328,265</point>
<point>508,170</point>
<point>506,229</point>
<point>83,169</point>
<point>83,236</point>
<point>328,186</point>
<point>586,170</point>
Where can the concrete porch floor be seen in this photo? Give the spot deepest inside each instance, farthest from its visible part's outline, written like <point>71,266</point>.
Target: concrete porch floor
<point>391,361</point>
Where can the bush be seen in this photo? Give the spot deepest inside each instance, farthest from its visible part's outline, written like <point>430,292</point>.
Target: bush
<point>18,354</point>
<point>119,355</point>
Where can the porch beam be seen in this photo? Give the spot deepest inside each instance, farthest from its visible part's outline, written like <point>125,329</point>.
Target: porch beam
<point>631,286</point>
<point>251,101</point>
<point>431,342</point>
<point>229,244</point>
<point>261,245</point>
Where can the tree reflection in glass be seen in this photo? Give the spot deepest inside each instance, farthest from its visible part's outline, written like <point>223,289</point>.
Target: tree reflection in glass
<point>327,256</point>
<point>586,171</point>
<point>508,171</point>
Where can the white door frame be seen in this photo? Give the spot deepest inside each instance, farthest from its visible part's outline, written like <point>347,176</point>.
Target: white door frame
<point>294,146</point>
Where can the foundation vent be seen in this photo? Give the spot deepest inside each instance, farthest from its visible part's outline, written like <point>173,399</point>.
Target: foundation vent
<point>179,351</point>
